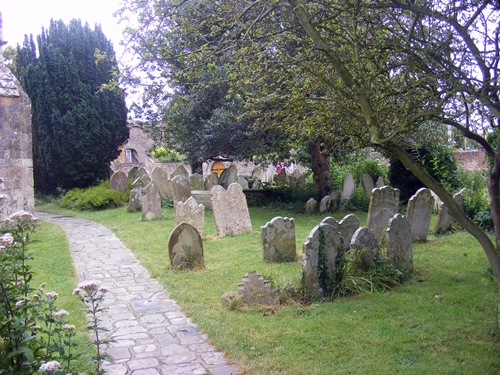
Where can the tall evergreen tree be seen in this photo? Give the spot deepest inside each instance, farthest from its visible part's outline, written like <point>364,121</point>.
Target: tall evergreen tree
<point>77,127</point>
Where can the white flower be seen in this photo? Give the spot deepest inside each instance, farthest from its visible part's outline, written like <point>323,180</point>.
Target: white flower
<point>90,286</point>
<point>68,327</point>
<point>52,295</point>
<point>60,314</point>
<point>7,239</point>
<point>49,366</point>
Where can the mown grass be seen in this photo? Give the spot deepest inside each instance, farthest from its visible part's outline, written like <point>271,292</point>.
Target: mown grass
<point>440,322</point>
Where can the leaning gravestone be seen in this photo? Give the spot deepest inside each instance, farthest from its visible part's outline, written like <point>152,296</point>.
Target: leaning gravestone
<point>151,204</point>
<point>119,181</point>
<point>365,244</point>
<point>384,204</point>
<point>135,199</point>
<point>181,190</point>
<point>185,247</point>
<point>132,174</point>
<point>196,181</point>
<point>399,244</point>
<point>368,185</point>
<point>347,227</point>
<point>142,179</point>
<point>255,290</point>
<point>228,176</point>
<point>243,182</point>
<point>325,204</point>
<point>179,171</point>
<point>419,213</point>
<point>444,218</point>
<point>347,187</point>
<point>160,179</point>
<point>311,205</point>
<point>322,261</point>
<point>192,213</point>
<point>230,210</point>
<point>211,180</point>
<point>278,240</point>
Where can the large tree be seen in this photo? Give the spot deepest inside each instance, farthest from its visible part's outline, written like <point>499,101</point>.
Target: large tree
<point>384,73</point>
<point>77,126</point>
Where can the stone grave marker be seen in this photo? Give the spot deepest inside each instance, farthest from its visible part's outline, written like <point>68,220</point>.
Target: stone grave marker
<point>366,244</point>
<point>311,205</point>
<point>325,204</point>
<point>348,187</point>
<point>254,289</point>
<point>335,199</point>
<point>179,171</point>
<point>322,261</point>
<point>399,244</point>
<point>444,218</point>
<point>243,182</point>
<point>384,204</point>
<point>419,213</point>
<point>151,203</point>
<point>196,181</point>
<point>192,213</point>
<point>181,190</point>
<point>380,182</point>
<point>211,180</point>
<point>257,173</point>
<point>119,181</point>
<point>132,173</point>
<point>203,197</point>
<point>160,179</point>
<point>228,176</point>
<point>347,227</point>
<point>368,185</point>
<point>278,240</point>
<point>135,199</point>
<point>185,247</point>
<point>230,210</point>
<point>142,178</point>
<point>330,220</point>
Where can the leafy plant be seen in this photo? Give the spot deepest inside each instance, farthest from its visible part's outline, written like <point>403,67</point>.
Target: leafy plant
<point>94,198</point>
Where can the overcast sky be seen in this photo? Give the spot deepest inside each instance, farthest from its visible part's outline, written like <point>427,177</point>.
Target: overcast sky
<point>22,17</point>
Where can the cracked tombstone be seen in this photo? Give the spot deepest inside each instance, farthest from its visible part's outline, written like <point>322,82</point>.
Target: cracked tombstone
<point>322,261</point>
<point>384,204</point>
<point>181,190</point>
<point>365,245</point>
<point>160,179</point>
<point>419,214</point>
<point>191,213</point>
<point>278,240</point>
<point>119,181</point>
<point>347,227</point>
<point>185,247</point>
<point>151,203</point>
<point>399,244</point>
<point>230,211</point>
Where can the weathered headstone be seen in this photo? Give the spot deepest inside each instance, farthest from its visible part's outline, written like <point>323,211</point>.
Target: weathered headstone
<point>255,290</point>
<point>311,205</point>
<point>419,213</point>
<point>335,199</point>
<point>119,181</point>
<point>365,244</point>
<point>399,244</point>
<point>196,181</point>
<point>160,179</point>
<point>185,247</point>
<point>368,185</point>
<point>257,173</point>
<point>322,261</point>
<point>132,173</point>
<point>230,211</point>
<point>444,217</point>
<point>380,182</point>
<point>243,182</point>
<point>330,220</point>
<point>192,213</point>
<point>179,171</point>
<point>435,208</point>
<point>151,204</point>
<point>384,204</point>
<point>278,240</point>
<point>229,176</point>
<point>347,227</point>
<point>348,187</point>
<point>135,199</point>
<point>181,190</point>
<point>325,204</point>
<point>142,178</point>
<point>211,180</point>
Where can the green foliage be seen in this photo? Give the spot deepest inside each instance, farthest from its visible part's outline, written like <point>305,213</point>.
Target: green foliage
<point>338,173</point>
<point>97,197</point>
<point>372,167</point>
<point>167,155</point>
<point>476,199</point>
<point>77,127</point>
<point>292,198</point>
<point>359,201</point>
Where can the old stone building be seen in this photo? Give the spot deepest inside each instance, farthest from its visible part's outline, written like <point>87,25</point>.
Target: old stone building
<point>16,161</point>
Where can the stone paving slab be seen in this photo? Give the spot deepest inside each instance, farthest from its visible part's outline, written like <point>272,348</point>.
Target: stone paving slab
<point>151,334</point>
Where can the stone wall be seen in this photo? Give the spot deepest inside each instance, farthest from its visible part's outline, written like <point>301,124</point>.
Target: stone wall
<point>472,159</point>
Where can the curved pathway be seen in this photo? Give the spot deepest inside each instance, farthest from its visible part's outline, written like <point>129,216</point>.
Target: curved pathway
<point>152,336</point>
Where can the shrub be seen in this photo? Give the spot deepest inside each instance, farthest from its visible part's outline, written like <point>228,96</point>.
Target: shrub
<point>371,167</point>
<point>359,201</point>
<point>476,200</point>
<point>97,197</point>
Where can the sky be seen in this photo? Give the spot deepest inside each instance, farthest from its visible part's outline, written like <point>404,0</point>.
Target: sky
<point>22,17</point>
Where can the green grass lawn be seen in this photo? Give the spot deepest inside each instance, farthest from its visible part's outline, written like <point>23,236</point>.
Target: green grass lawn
<point>440,322</point>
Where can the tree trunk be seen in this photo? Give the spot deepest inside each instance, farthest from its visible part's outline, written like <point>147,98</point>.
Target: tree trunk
<point>320,166</point>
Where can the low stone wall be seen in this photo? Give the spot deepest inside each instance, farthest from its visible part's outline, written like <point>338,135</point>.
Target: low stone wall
<point>472,159</point>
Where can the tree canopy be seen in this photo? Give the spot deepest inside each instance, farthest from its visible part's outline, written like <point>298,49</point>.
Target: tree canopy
<point>77,126</point>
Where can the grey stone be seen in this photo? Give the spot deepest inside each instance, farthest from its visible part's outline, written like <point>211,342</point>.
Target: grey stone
<point>330,220</point>
<point>196,181</point>
<point>192,213</point>
<point>311,205</point>
<point>380,182</point>
<point>278,240</point>
<point>281,178</point>
<point>325,204</point>
<point>348,187</point>
<point>347,227</point>
<point>444,218</point>
<point>419,213</point>
<point>203,197</point>
<point>368,185</point>
<point>243,182</point>
<point>229,176</point>
<point>255,290</point>
<point>179,171</point>
<point>210,181</point>
<point>132,173</point>
<point>181,190</point>
<point>142,178</point>
<point>322,261</point>
<point>185,247</point>
<point>384,204</point>
<point>151,204</point>
<point>135,199</point>
<point>160,179</point>
<point>365,244</point>
<point>335,199</point>
<point>399,244</point>
<point>230,211</point>
<point>119,181</point>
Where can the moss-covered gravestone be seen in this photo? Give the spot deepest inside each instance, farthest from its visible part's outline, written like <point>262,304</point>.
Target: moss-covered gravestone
<point>185,247</point>
<point>278,240</point>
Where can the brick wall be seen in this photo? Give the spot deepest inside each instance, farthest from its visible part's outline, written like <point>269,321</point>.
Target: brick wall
<point>471,159</point>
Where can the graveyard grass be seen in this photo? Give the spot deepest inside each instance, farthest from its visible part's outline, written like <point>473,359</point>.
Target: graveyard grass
<point>441,321</point>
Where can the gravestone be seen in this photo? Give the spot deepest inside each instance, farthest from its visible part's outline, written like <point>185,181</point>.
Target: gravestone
<point>325,204</point>
<point>132,174</point>
<point>211,180</point>
<point>135,199</point>
<point>196,181</point>
<point>347,187</point>
<point>160,179</point>
<point>257,173</point>
<point>257,185</point>
<point>192,213</point>
<point>330,220</point>
<point>179,171</point>
<point>151,203</point>
<point>254,289</point>
<point>380,182</point>
<point>142,178</point>
<point>419,213</point>
<point>281,178</point>
<point>347,227</point>
<point>399,244</point>
<point>435,208</point>
<point>203,197</point>
<point>230,210</point>
<point>365,244</point>
<point>384,204</point>
<point>181,190</point>
<point>322,261</point>
<point>311,205</point>
<point>229,176</point>
<point>444,218</point>
<point>243,182</point>
<point>3,207</point>
<point>119,181</point>
<point>185,247</point>
<point>278,240</point>
<point>368,185</point>
<point>335,199</point>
